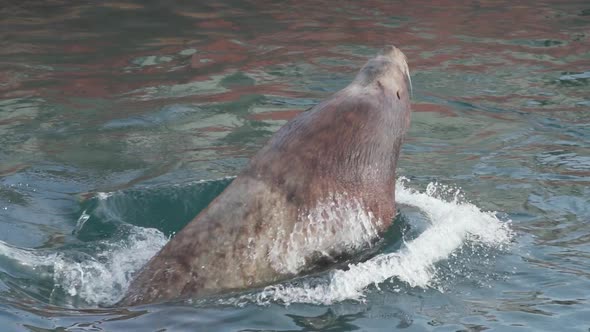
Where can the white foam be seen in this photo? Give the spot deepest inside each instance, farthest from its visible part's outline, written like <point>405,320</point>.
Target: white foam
<point>336,225</point>
<point>453,225</point>
<point>104,195</point>
<point>27,259</point>
<point>102,278</point>
<point>98,279</point>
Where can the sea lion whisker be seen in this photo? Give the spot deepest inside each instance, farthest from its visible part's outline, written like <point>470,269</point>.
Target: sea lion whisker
<point>410,81</point>
<point>408,77</point>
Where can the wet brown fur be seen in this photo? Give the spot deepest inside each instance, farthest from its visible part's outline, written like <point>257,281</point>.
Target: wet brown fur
<point>349,144</point>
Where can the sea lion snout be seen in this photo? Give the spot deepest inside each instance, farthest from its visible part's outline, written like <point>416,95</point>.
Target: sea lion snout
<point>396,56</point>
<point>389,70</point>
<point>392,52</point>
<point>400,63</point>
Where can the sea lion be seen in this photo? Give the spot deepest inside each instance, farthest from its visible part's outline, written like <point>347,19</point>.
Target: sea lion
<point>321,188</point>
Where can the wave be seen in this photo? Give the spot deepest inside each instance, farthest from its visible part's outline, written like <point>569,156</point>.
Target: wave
<point>100,275</point>
<point>80,279</point>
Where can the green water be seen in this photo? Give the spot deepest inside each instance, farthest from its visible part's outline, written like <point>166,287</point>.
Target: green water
<point>119,121</point>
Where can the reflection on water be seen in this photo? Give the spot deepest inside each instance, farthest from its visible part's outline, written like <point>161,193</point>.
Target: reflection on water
<point>127,96</point>
<point>327,321</point>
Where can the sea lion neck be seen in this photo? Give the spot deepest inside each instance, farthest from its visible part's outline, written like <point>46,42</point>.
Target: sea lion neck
<point>324,183</point>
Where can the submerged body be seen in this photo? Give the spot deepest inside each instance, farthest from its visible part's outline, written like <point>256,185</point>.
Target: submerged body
<point>322,187</point>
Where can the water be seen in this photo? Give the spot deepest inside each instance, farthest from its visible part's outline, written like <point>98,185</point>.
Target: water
<point>119,121</point>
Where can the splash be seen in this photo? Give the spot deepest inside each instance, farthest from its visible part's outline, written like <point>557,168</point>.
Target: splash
<point>102,276</point>
<point>453,224</point>
<point>81,279</point>
<point>338,224</point>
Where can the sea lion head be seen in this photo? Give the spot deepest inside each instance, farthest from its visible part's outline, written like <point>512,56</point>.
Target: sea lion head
<point>388,71</point>
<point>385,79</point>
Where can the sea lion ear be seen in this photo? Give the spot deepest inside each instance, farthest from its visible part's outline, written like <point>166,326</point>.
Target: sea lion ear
<point>398,97</point>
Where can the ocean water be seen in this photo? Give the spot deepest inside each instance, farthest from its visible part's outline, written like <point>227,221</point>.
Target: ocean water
<point>121,120</point>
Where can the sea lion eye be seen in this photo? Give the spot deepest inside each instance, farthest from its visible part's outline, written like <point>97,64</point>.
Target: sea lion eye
<point>398,97</point>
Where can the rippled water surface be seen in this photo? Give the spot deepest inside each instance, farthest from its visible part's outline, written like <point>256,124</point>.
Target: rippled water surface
<point>120,121</point>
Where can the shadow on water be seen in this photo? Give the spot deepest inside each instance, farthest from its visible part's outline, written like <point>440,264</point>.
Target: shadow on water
<point>166,208</point>
<point>108,247</point>
<point>327,322</point>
